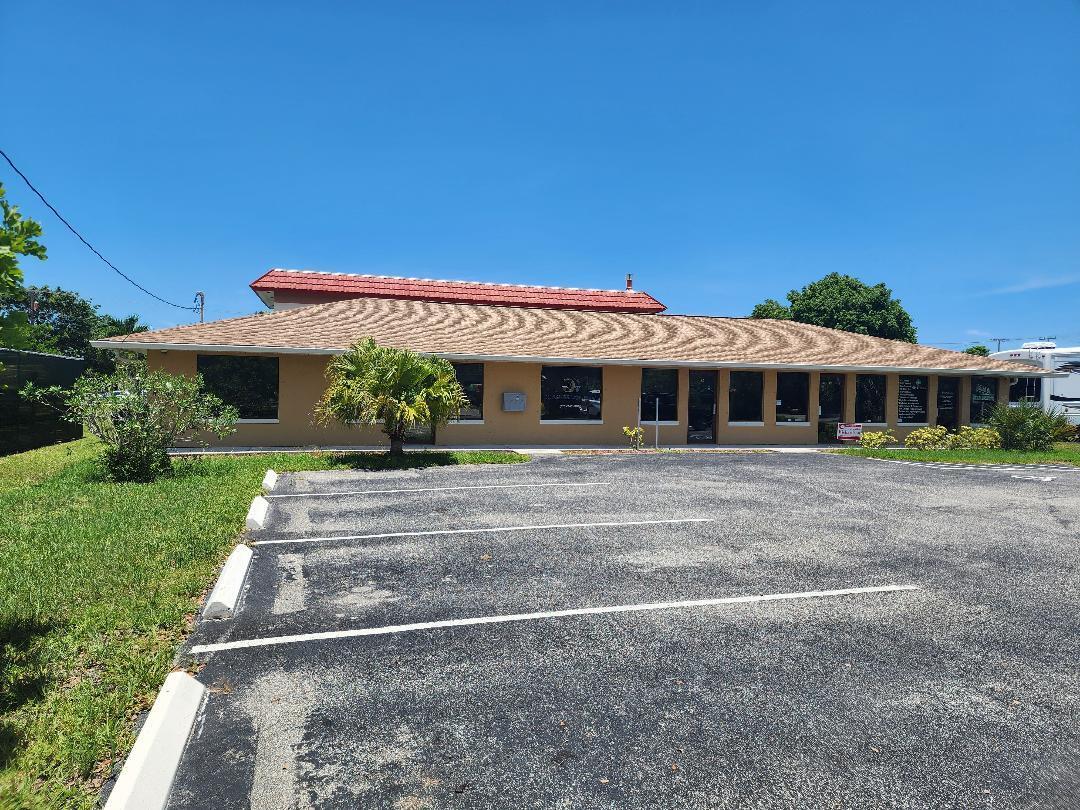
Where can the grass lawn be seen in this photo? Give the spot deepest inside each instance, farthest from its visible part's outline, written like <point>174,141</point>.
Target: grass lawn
<point>99,583</point>
<point>1064,453</point>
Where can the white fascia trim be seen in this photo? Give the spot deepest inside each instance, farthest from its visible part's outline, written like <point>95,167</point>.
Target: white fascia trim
<point>133,345</point>
<point>793,424</point>
<point>258,421</point>
<point>746,424</point>
<point>873,424</point>
<point>571,421</point>
<point>661,423</point>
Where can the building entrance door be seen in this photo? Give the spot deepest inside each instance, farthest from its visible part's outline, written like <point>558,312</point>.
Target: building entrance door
<point>701,410</point>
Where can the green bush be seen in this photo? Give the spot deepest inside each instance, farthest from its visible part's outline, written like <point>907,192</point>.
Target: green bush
<point>969,438</point>
<point>875,440</point>
<point>635,435</point>
<point>1028,426</point>
<point>138,415</point>
<point>928,438</point>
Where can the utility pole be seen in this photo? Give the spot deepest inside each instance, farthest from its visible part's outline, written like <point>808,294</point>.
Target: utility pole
<point>200,303</point>
<point>1000,341</point>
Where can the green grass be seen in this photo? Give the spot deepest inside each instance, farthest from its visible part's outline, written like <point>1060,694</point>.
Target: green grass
<point>1065,453</point>
<point>99,584</point>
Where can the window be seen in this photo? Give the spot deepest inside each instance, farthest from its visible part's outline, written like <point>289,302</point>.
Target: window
<point>792,396</point>
<point>983,398</point>
<point>570,393</point>
<point>248,383</point>
<point>870,398</point>
<point>1026,389</point>
<point>744,396</point>
<point>831,398</point>
<point>659,387</point>
<point>948,398</point>
<point>914,391</point>
<point>471,378</point>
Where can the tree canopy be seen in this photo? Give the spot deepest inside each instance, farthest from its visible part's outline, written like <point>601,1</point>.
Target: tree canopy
<point>978,349</point>
<point>18,237</point>
<point>65,323</point>
<point>843,302</point>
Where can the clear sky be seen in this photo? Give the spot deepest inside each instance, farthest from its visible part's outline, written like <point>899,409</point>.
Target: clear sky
<point>723,152</point>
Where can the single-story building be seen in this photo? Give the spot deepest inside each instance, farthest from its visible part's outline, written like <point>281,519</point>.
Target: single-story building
<point>559,366</point>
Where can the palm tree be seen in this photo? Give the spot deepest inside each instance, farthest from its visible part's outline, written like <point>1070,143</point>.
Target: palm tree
<point>371,383</point>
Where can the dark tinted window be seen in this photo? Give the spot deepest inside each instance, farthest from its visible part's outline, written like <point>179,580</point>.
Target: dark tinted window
<point>744,396</point>
<point>792,396</point>
<point>870,397</point>
<point>250,384</point>
<point>983,398</point>
<point>831,398</point>
<point>471,378</point>
<point>1026,389</point>
<point>659,387</point>
<point>914,391</point>
<point>948,399</point>
<point>570,392</point>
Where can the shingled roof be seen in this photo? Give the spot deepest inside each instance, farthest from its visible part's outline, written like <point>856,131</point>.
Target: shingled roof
<point>334,286</point>
<point>461,331</point>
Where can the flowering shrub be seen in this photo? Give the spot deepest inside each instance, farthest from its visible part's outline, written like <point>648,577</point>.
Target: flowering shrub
<point>636,436</point>
<point>928,438</point>
<point>877,439</point>
<point>1027,426</point>
<point>969,438</point>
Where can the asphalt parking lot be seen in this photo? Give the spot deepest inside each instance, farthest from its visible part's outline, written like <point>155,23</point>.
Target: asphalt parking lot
<point>352,677</point>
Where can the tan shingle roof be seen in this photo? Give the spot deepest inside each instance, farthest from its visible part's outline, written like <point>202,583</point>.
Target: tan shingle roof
<point>469,331</point>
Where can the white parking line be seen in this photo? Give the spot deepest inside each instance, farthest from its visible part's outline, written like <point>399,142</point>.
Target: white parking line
<point>438,489</point>
<point>485,530</point>
<point>953,465</point>
<point>549,614</point>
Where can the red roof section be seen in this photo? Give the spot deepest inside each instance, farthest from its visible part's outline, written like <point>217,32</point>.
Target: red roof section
<point>336,286</point>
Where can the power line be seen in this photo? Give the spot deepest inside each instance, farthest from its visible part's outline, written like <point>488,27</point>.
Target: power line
<point>93,249</point>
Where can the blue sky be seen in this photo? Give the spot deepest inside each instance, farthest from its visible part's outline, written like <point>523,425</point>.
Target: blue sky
<point>721,152</point>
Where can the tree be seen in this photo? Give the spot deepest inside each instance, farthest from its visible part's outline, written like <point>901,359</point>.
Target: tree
<point>978,349</point>
<point>371,383</point>
<point>138,415</point>
<point>65,323</point>
<point>843,302</point>
<point>18,237</point>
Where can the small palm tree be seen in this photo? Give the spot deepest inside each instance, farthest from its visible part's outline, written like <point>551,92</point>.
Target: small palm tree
<point>371,383</point>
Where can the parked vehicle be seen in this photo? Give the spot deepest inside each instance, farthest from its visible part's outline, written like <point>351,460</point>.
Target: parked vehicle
<point>1061,393</point>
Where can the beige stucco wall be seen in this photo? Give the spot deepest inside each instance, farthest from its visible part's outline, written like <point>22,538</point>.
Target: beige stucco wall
<point>302,379</point>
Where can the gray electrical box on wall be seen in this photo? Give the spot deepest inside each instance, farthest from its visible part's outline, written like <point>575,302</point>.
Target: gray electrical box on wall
<point>513,401</point>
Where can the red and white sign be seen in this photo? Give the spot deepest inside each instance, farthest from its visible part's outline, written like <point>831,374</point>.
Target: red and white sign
<point>846,432</point>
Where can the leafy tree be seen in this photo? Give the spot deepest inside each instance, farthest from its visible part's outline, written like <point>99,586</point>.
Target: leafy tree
<point>18,237</point>
<point>1028,426</point>
<point>138,415</point>
<point>843,302</point>
<point>978,349</point>
<point>65,323</point>
<point>402,389</point>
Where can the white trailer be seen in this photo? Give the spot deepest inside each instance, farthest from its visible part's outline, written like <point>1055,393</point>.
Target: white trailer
<point>1061,392</point>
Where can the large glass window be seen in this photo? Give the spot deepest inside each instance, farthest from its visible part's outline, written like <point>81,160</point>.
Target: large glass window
<point>744,396</point>
<point>914,391</point>
<point>1026,389</point>
<point>870,396</point>
<point>570,392</point>
<point>948,402</point>
<point>831,398</point>
<point>983,398</point>
<point>248,383</point>
<point>659,394</point>
<point>792,396</point>
<point>470,377</point>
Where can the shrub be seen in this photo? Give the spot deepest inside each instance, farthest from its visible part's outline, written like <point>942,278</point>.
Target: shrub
<point>636,436</point>
<point>969,438</point>
<point>138,415</point>
<point>1028,426</point>
<point>928,438</point>
<point>875,440</point>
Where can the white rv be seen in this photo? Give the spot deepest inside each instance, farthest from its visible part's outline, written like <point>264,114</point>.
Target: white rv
<point>1059,393</point>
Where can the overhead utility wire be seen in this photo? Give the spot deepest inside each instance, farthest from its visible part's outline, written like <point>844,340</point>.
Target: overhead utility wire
<point>93,249</point>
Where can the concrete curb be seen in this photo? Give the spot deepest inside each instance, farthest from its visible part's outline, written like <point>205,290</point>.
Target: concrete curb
<point>269,480</point>
<point>256,516</point>
<point>221,604</point>
<point>148,773</point>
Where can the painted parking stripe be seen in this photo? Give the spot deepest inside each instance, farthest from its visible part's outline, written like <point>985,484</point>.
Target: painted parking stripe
<point>438,489</point>
<point>484,530</point>
<point>271,641</point>
<point>1009,468</point>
